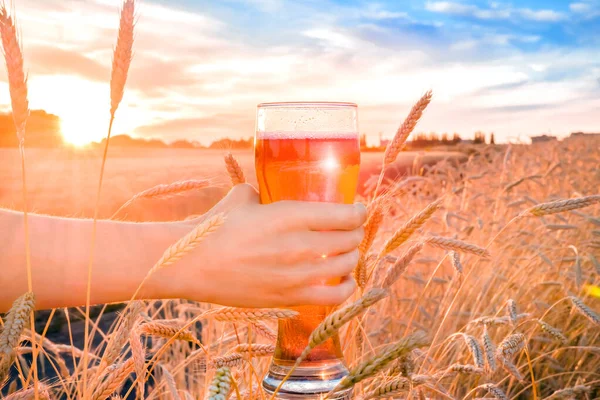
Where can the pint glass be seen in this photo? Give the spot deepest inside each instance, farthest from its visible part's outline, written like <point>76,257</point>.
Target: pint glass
<point>308,152</point>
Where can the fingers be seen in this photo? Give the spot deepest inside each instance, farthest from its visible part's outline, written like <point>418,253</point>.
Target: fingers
<point>325,295</point>
<point>329,268</point>
<point>322,216</point>
<point>330,243</point>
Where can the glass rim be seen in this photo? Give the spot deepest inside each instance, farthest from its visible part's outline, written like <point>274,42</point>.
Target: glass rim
<point>308,104</point>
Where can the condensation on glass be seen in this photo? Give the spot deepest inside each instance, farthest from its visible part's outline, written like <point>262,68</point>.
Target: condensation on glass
<point>309,152</point>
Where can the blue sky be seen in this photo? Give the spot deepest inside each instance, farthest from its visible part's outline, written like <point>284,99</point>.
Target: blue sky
<point>517,68</point>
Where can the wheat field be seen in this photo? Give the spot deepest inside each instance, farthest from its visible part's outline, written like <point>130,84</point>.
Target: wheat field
<point>477,279</point>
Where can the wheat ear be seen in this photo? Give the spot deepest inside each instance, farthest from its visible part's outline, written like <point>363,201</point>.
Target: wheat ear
<point>230,360</point>
<point>167,332</point>
<point>510,346</point>
<point>406,230</point>
<point>334,321</point>
<point>117,340</point>
<point>29,394</point>
<point>254,349</point>
<point>264,330</point>
<point>392,150</point>
<point>122,55</point>
<point>456,245</point>
<point>188,242</point>
<point>571,392</point>
<point>475,350</point>
<point>489,349</point>
<point>236,173</point>
<point>389,389</point>
<point>113,380</point>
<point>552,331</point>
<point>231,314</point>
<point>17,81</point>
<point>220,386</point>
<point>170,380</point>
<point>371,228</point>
<point>373,365</point>
<point>120,67</point>
<point>164,191</point>
<point>494,391</point>
<point>558,206</point>
<point>585,310</point>
<point>14,325</point>
<point>511,308</point>
<point>138,353</point>
<point>400,265</point>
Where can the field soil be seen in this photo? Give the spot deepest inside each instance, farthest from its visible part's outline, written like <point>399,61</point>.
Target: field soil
<point>64,182</point>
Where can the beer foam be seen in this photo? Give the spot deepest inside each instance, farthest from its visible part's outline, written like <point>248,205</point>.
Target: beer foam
<point>306,135</point>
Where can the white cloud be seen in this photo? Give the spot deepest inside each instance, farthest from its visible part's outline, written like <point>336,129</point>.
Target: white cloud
<point>496,11</point>
<point>580,7</point>
<point>541,15</point>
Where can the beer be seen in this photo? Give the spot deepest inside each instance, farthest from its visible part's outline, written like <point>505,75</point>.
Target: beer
<point>310,167</point>
<point>307,152</point>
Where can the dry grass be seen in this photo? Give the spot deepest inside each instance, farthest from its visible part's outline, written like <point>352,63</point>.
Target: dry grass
<point>511,279</point>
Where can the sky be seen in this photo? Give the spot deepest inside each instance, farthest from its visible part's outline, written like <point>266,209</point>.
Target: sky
<point>517,68</point>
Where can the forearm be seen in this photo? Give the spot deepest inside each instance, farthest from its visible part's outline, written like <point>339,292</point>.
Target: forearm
<point>60,251</point>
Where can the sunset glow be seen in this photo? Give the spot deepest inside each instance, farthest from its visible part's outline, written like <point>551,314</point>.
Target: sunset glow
<point>200,68</point>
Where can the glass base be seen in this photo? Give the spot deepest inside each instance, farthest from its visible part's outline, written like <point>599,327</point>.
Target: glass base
<point>307,381</point>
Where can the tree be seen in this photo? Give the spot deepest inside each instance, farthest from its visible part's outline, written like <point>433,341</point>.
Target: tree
<point>492,141</point>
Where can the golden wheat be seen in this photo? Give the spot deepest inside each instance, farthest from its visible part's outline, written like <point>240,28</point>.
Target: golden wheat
<point>236,173</point>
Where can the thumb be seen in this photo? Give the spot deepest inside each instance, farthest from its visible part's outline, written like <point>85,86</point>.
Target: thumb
<point>241,194</point>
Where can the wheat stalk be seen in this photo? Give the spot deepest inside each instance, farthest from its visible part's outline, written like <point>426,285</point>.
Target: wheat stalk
<point>165,191</point>
<point>334,321</point>
<point>220,386</point>
<point>559,206</point>
<point>409,227</point>
<point>120,67</point>
<point>456,245</point>
<point>466,369</point>
<point>232,314</point>
<point>113,380</point>
<point>400,265</point>
<point>236,173</point>
<point>187,243</point>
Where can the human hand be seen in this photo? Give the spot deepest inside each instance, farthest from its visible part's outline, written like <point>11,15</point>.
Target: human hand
<point>273,255</point>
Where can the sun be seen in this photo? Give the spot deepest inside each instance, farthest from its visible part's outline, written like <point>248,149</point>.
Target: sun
<point>81,105</point>
<point>80,129</point>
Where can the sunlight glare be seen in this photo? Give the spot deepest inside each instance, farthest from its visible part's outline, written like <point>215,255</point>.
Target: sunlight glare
<point>82,106</point>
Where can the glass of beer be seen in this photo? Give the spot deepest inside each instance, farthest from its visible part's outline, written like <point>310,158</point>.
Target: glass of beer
<point>307,152</point>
